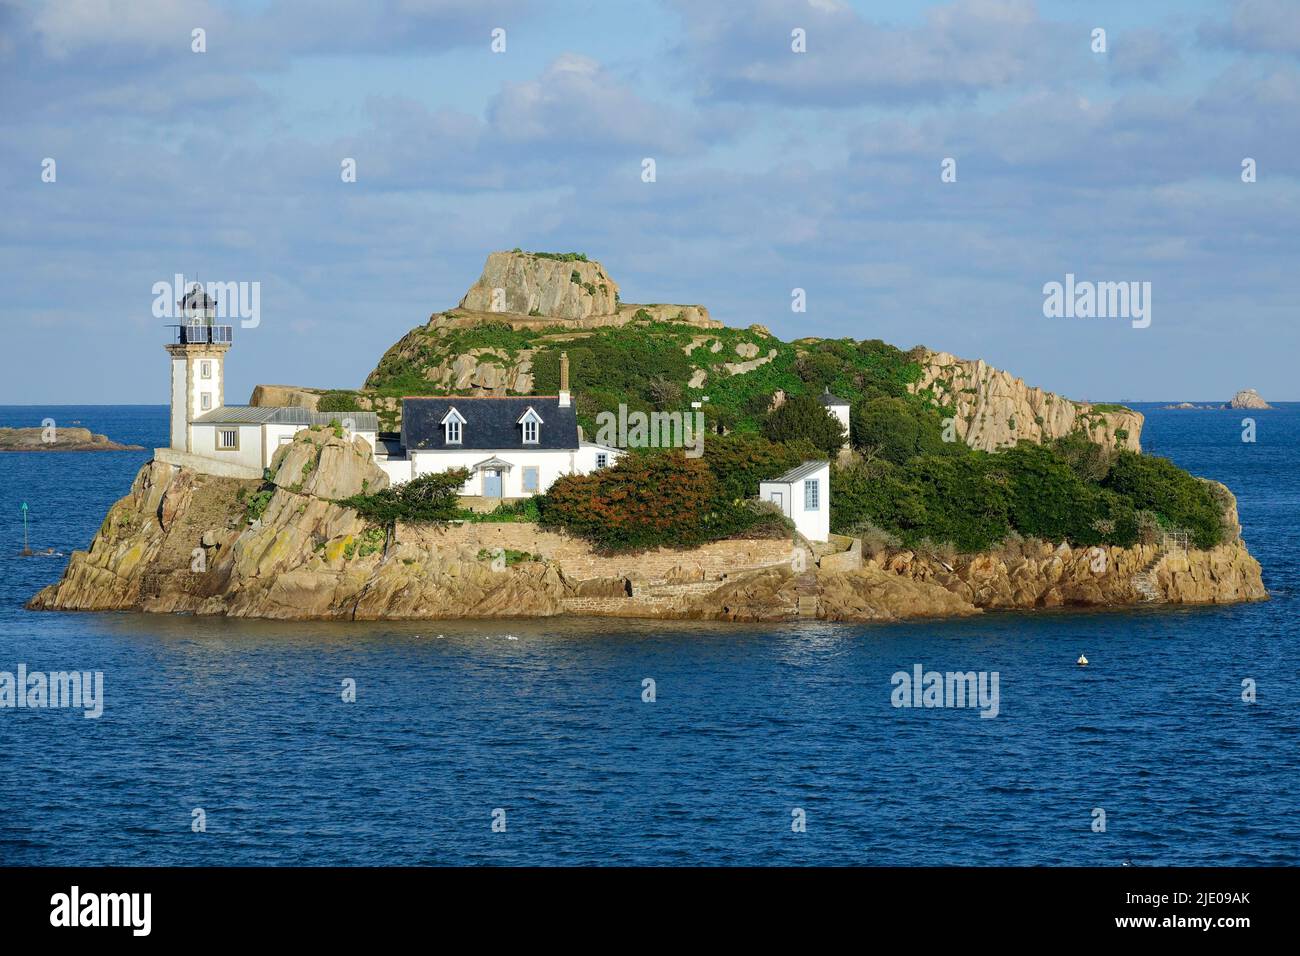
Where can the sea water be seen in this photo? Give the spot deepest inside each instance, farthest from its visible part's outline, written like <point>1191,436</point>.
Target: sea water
<point>534,742</point>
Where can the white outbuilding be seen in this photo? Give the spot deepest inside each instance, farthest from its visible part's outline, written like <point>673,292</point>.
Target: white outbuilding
<point>839,407</point>
<point>804,496</point>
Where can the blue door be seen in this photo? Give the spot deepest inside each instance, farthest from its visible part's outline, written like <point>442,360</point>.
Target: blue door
<point>492,484</point>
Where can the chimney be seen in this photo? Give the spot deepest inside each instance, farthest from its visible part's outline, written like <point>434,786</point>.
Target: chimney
<point>564,380</point>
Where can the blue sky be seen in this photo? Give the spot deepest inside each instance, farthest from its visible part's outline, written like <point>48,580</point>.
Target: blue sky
<point>775,170</point>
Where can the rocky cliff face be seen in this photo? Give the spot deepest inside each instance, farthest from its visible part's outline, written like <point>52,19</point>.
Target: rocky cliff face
<point>1248,398</point>
<point>994,409</point>
<point>1033,574</point>
<point>1045,576</point>
<point>183,542</point>
<point>529,284</point>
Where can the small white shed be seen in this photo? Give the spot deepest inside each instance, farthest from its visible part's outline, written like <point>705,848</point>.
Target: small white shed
<point>839,407</point>
<point>804,496</point>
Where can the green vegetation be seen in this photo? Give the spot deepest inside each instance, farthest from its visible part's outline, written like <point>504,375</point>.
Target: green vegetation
<point>255,504</point>
<point>898,430</point>
<point>1056,492</point>
<point>740,461</point>
<point>803,418</point>
<point>910,485</point>
<point>561,256</point>
<point>338,401</point>
<point>1178,499</point>
<point>429,498</point>
<point>652,500</point>
<point>510,555</point>
<point>523,510</point>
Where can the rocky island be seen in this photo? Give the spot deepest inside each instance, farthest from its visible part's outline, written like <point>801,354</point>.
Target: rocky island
<point>1246,398</point>
<point>61,439</point>
<point>956,489</point>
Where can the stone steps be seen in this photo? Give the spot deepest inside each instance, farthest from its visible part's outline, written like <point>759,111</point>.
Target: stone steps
<point>806,602</point>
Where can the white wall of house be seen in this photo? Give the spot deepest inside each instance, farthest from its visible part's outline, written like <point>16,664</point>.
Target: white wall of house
<point>814,523</point>
<point>842,413</point>
<point>549,464</point>
<point>592,457</point>
<point>398,470</point>
<point>204,442</point>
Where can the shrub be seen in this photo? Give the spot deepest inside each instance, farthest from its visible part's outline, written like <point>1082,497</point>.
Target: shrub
<point>338,401</point>
<point>803,417</point>
<point>740,461</point>
<point>1045,497</point>
<point>523,510</point>
<point>652,500</point>
<point>429,498</point>
<point>878,494</point>
<point>1087,459</point>
<point>641,501</point>
<point>899,430</point>
<point>1177,498</point>
<point>255,504</point>
<point>372,541</point>
<point>964,502</point>
<point>875,539</point>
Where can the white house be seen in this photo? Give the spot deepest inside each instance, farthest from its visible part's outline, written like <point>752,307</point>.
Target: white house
<point>513,446</point>
<point>249,435</point>
<point>804,496</point>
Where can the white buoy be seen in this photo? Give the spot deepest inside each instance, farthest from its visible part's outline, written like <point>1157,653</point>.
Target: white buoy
<point>1082,661</point>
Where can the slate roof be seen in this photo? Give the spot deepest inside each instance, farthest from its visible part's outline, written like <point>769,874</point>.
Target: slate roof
<point>491,424</point>
<point>798,473</point>
<point>826,398</point>
<point>257,415</point>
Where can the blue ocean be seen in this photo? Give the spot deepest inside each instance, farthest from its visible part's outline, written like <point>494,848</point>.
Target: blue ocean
<point>763,745</point>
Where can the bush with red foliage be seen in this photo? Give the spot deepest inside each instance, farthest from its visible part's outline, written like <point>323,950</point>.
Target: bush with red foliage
<point>646,501</point>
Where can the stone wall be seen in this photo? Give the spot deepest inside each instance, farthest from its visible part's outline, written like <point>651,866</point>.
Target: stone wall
<point>205,466</point>
<point>709,562</point>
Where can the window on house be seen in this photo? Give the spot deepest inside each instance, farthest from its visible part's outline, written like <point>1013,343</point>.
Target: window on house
<point>530,431</point>
<point>602,459</point>
<point>812,494</point>
<point>205,400</point>
<point>228,439</point>
<point>205,369</point>
<point>453,432</point>
<point>531,483</point>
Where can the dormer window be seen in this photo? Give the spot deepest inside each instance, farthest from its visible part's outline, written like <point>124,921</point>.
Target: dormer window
<point>532,425</point>
<point>452,422</point>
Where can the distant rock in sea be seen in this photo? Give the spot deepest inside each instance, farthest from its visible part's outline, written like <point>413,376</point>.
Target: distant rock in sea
<point>63,439</point>
<point>1247,398</point>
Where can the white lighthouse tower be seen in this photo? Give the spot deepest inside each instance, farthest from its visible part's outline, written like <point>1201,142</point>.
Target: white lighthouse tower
<point>198,357</point>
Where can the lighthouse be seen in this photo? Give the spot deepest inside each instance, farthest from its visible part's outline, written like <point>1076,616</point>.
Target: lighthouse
<point>198,355</point>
